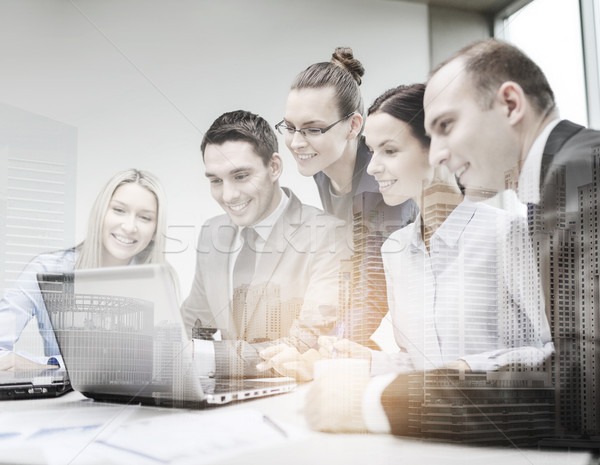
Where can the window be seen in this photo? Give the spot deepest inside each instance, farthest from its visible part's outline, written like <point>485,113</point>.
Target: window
<point>549,31</point>
<point>590,21</point>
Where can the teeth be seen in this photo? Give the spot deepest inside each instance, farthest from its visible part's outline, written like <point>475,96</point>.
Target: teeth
<point>238,207</point>
<point>459,172</point>
<point>306,156</point>
<point>123,239</point>
<point>384,184</point>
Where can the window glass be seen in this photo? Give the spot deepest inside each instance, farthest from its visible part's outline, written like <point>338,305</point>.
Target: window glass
<point>549,31</point>
<point>597,25</point>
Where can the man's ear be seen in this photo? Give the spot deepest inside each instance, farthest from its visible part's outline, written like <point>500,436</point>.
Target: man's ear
<point>513,101</point>
<point>275,166</point>
<point>356,124</point>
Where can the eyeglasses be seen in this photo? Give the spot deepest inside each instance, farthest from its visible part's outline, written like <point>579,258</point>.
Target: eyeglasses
<point>307,132</point>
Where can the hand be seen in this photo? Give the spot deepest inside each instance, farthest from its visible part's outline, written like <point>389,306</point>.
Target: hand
<point>334,403</point>
<point>459,365</point>
<point>287,361</point>
<point>14,362</point>
<point>344,348</point>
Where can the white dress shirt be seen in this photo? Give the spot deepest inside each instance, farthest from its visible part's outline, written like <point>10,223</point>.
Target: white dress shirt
<point>263,230</point>
<point>462,299</point>
<point>22,301</point>
<point>204,351</point>
<point>529,178</point>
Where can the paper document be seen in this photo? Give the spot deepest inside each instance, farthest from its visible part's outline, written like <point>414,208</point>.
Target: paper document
<point>56,436</point>
<point>199,437</point>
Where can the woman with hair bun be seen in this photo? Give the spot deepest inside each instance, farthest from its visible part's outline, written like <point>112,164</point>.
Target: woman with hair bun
<point>323,126</point>
<point>455,303</point>
<point>323,129</point>
<point>127,226</point>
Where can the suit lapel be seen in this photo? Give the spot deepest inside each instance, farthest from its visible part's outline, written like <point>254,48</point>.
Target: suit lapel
<point>556,140</point>
<point>219,292</point>
<point>276,247</point>
<point>558,137</point>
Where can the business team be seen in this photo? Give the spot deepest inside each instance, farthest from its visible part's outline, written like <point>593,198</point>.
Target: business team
<point>493,122</point>
<point>470,289</point>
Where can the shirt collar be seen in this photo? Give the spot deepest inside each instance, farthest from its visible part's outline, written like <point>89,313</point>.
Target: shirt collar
<point>453,227</point>
<point>264,228</point>
<point>449,231</point>
<point>413,231</point>
<point>529,179</point>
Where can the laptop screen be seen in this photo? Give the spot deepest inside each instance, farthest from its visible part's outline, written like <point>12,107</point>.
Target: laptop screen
<point>120,332</point>
<point>122,338</point>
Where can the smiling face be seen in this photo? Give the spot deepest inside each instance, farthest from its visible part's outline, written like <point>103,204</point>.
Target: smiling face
<point>245,188</point>
<point>129,224</point>
<point>400,163</point>
<point>317,108</point>
<point>477,144</point>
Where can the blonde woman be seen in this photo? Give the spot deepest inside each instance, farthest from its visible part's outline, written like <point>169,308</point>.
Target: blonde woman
<point>127,226</point>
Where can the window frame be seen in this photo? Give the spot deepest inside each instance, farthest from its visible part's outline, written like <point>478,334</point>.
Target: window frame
<point>589,15</point>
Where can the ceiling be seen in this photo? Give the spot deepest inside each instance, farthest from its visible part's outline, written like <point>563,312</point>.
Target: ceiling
<point>489,7</point>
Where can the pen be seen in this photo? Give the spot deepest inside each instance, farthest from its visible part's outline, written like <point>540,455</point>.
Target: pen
<point>278,428</point>
<point>339,333</point>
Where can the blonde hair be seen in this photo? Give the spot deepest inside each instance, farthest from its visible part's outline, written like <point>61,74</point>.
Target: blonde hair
<point>90,250</point>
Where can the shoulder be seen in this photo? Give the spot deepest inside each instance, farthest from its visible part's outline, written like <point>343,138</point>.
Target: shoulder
<point>60,256</point>
<point>300,213</point>
<point>485,210</point>
<point>399,239</point>
<point>62,260</point>
<point>587,133</point>
<point>577,141</point>
<point>490,216</point>
<point>587,139</point>
<point>217,223</point>
<point>503,223</point>
<point>578,151</point>
<point>216,231</point>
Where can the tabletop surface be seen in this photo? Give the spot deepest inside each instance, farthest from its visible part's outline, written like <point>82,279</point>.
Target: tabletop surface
<point>74,430</point>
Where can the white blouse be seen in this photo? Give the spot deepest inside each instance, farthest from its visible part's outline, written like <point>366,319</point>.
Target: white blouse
<point>464,299</point>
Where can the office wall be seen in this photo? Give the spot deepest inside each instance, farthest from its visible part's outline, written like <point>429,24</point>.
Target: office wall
<point>141,80</point>
<point>452,29</point>
<point>38,171</point>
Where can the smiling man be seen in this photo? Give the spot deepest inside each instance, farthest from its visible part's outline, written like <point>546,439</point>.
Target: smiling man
<point>268,270</point>
<point>484,109</point>
<point>494,123</point>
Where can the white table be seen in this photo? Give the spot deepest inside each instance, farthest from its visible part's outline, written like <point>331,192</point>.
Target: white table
<point>286,410</point>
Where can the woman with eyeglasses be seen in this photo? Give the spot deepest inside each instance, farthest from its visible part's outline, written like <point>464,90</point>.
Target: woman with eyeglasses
<point>455,299</point>
<point>323,126</point>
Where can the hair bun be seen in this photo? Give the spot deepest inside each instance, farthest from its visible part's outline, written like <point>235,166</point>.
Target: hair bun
<point>344,58</point>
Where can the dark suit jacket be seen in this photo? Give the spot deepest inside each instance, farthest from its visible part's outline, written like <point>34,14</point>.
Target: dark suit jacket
<point>293,295</point>
<point>564,229</point>
<point>369,305</point>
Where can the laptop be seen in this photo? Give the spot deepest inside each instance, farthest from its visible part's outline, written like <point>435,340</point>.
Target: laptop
<point>33,384</point>
<point>122,339</point>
